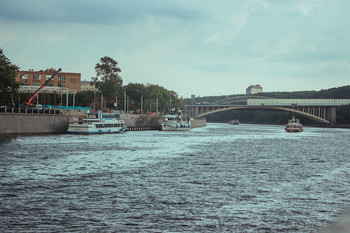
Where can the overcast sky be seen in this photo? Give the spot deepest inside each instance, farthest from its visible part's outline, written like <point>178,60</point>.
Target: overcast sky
<point>201,47</point>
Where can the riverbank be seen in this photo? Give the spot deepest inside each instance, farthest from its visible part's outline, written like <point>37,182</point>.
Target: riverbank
<point>18,122</point>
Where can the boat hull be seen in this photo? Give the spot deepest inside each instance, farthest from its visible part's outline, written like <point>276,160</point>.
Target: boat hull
<point>294,130</point>
<point>97,127</point>
<point>234,122</point>
<point>169,127</point>
<point>89,130</point>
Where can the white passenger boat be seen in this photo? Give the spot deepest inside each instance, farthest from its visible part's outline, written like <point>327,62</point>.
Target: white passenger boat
<point>105,123</point>
<point>294,125</point>
<point>175,122</point>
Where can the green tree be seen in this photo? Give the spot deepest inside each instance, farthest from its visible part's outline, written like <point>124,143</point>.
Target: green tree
<point>107,80</point>
<point>151,93</point>
<point>154,92</point>
<point>134,92</point>
<point>8,85</point>
<point>343,114</point>
<point>85,99</point>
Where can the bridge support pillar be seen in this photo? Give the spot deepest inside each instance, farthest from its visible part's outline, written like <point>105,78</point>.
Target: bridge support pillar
<point>332,115</point>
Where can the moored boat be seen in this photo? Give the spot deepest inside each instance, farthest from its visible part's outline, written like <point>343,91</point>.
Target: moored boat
<point>234,122</point>
<point>174,122</point>
<point>294,125</point>
<point>105,123</point>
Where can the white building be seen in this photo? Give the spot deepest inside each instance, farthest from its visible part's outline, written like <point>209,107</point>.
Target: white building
<point>253,89</point>
<point>86,86</point>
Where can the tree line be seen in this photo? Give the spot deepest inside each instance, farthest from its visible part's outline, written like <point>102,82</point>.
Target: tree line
<point>135,97</point>
<point>109,90</point>
<point>332,93</point>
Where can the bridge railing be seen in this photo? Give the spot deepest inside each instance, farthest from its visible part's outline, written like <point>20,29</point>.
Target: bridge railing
<point>297,102</point>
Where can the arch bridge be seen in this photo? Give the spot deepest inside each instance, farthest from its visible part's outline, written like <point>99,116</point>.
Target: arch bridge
<point>319,110</point>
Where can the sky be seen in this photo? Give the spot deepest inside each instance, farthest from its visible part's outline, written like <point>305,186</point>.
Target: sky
<point>200,47</point>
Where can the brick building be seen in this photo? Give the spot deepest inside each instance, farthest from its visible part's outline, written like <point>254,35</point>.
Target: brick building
<point>37,78</point>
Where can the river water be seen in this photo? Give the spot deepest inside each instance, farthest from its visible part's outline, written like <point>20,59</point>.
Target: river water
<point>221,178</point>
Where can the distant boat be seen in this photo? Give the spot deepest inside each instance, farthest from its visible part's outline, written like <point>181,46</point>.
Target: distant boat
<point>234,122</point>
<point>175,122</point>
<point>106,123</point>
<point>294,125</point>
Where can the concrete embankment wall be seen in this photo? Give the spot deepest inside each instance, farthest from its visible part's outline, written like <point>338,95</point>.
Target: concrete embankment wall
<point>32,123</point>
<point>199,122</point>
<point>18,123</point>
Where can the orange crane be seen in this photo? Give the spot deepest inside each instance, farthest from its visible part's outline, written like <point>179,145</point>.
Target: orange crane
<point>33,98</point>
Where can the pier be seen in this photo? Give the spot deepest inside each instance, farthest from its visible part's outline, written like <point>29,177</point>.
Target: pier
<point>143,128</point>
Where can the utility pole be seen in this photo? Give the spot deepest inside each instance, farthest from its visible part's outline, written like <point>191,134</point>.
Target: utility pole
<point>125,101</point>
<point>94,100</point>
<point>157,105</point>
<point>101,102</point>
<point>141,103</point>
<point>127,105</point>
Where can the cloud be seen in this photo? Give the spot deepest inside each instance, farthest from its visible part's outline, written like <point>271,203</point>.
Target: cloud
<point>305,7</point>
<point>255,5</point>
<point>238,21</point>
<point>227,31</point>
<point>95,12</point>
<point>6,37</point>
<point>53,38</point>
<point>211,39</point>
<point>171,43</point>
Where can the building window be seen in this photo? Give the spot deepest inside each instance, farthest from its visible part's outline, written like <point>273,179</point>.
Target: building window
<point>48,77</point>
<point>62,85</point>
<point>36,83</point>
<point>36,77</point>
<point>24,76</point>
<point>24,83</point>
<point>50,84</point>
<point>61,78</point>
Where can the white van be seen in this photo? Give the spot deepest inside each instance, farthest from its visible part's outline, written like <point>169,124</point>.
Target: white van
<point>37,106</point>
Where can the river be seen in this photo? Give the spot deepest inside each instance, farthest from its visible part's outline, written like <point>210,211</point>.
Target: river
<point>220,178</point>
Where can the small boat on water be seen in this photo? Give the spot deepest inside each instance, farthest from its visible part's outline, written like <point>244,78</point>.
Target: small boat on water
<point>294,125</point>
<point>175,122</point>
<point>105,123</point>
<point>234,122</point>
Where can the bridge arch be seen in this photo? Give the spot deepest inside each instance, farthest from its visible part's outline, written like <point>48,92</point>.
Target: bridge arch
<point>305,114</point>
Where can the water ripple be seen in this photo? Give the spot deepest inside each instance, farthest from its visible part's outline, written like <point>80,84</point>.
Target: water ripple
<point>221,178</point>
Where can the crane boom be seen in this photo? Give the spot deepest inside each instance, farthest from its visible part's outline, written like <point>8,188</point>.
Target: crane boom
<point>32,99</point>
